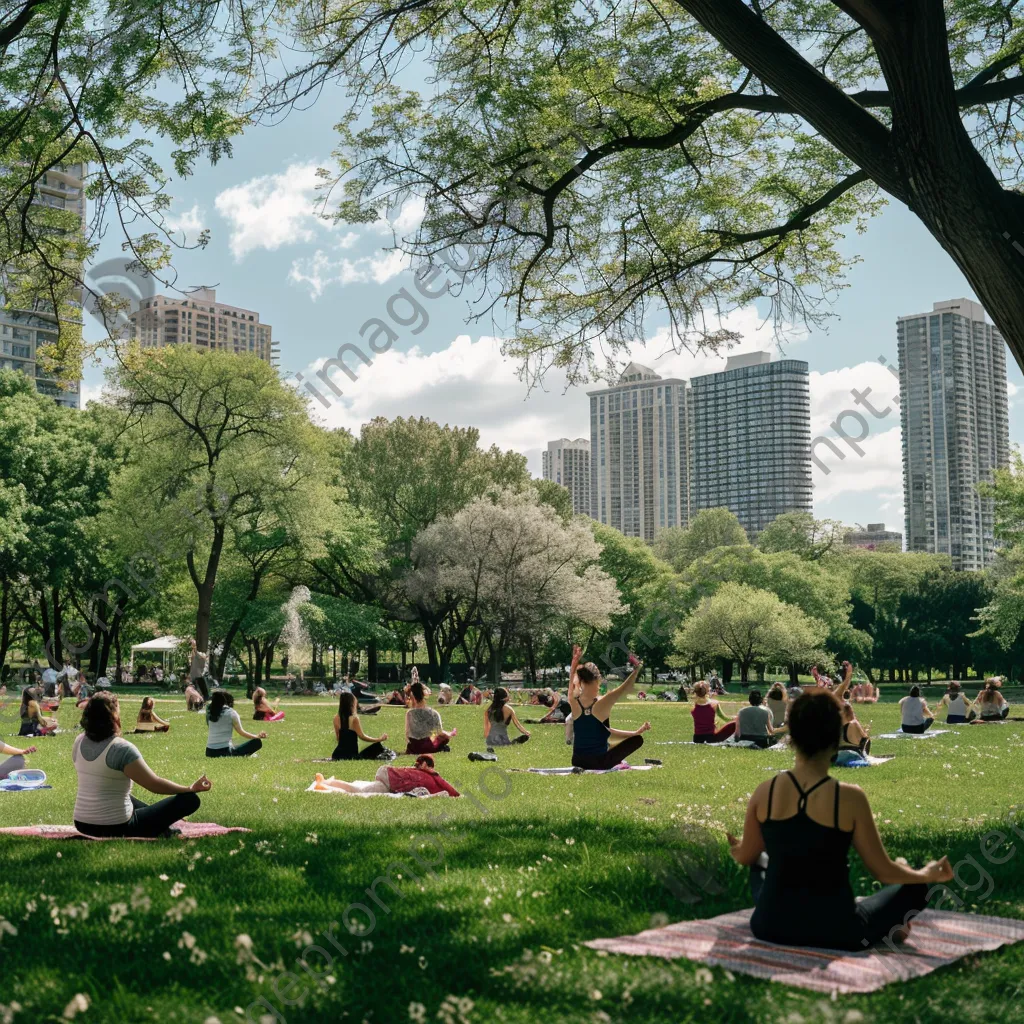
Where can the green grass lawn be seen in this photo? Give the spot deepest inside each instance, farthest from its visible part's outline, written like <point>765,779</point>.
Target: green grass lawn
<point>488,925</point>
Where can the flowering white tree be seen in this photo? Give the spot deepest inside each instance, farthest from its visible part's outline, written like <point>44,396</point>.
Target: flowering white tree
<point>515,569</point>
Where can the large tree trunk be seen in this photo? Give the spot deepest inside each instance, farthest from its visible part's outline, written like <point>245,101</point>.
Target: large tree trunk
<point>204,591</point>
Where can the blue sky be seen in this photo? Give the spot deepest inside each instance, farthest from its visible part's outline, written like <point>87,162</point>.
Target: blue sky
<point>316,283</point>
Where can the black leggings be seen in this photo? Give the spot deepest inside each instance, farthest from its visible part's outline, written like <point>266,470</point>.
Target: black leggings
<point>149,820</point>
<point>370,753</point>
<point>764,742</point>
<point>609,759</point>
<point>917,728</point>
<point>242,750</point>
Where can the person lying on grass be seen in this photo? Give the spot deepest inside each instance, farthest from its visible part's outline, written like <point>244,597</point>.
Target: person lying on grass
<point>915,715</point>
<point>497,718</point>
<point>590,714</point>
<point>991,704</point>
<point>348,732</point>
<point>396,780</point>
<point>33,723</point>
<point>705,712</point>
<point>424,733</point>
<point>149,720</point>
<point>262,709</point>
<point>107,765</point>
<point>959,708</point>
<point>854,740</point>
<point>222,719</point>
<point>15,758</point>
<point>796,838</point>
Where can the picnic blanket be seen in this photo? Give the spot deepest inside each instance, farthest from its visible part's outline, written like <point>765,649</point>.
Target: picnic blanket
<point>189,830</point>
<point>864,761</point>
<point>420,792</point>
<point>623,767</point>
<point>913,735</point>
<point>938,938</point>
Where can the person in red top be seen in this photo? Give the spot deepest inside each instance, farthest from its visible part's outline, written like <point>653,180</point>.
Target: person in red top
<point>704,712</point>
<point>396,780</point>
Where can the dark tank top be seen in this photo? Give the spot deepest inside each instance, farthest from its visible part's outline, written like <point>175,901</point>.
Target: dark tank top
<point>348,745</point>
<point>590,734</point>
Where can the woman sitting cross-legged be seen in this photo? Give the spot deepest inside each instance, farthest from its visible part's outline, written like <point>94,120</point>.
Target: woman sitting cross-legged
<point>223,720</point>
<point>590,713</point>
<point>262,709</point>
<point>778,704</point>
<point>424,733</point>
<point>754,723</point>
<point>959,709</point>
<point>805,821</point>
<point>33,722</point>
<point>349,732</point>
<point>396,780</point>
<point>704,712</point>
<point>991,704</point>
<point>15,758</point>
<point>107,765</point>
<point>149,720</point>
<point>497,719</point>
<point>915,715</point>
<point>854,742</point>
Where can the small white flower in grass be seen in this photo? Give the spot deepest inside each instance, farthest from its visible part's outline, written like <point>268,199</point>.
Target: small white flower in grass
<point>703,976</point>
<point>853,1017</point>
<point>302,938</point>
<point>659,919</point>
<point>7,1012</point>
<point>570,841</point>
<point>177,889</point>
<point>417,1013</point>
<point>165,878</point>
<point>166,955</point>
<point>423,963</point>
<point>407,949</point>
<point>507,918</point>
<point>6,928</point>
<point>596,994</point>
<point>212,1020</point>
<point>139,900</point>
<point>312,837</point>
<point>78,1005</point>
<point>118,912</point>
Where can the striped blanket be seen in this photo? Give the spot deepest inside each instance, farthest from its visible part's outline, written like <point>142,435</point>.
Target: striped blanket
<point>938,938</point>
<point>189,830</point>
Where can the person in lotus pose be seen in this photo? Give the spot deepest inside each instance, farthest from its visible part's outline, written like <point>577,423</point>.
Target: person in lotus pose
<point>262,709</point>
<point>149,720</point>
<point>348,732</point>
<point>223,719</point>
<point>991,704</point>
<point>915,715</point>
<point>959,709</point>
<point>497,718</point>
<point>705,712</point>
<point>424,733</point>
<point>854,743</point>
<point>797,834</point>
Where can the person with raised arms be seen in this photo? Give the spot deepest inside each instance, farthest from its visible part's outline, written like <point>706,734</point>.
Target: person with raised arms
<point>855,744</point>
<point>592,731</point>
<point>223,720</point>
<point>107,766</point>
<point>797,833</point>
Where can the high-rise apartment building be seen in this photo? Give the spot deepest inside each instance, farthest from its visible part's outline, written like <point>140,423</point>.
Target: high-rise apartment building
<point>751,439</point>
<point>568,463</point>
<point>199,320</point>
<point>954,415</point>
<point>639,453</point>
<point>873,535</point>
<point>24,331</point>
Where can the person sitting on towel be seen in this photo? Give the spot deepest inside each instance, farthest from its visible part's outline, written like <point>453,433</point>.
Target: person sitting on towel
<point>497,718</point>
<point>424,732</point>
<point>915,715</point>
<point>590,714</point>
<point>149,720</point>
<point>854,743</point>
<point>33,723</point>
<point>991,704</point>
<point>107,765</point>
<point>15,758</point>
<point>959,708</point>
<point>778,704</point>
<point>705,712</point>
<point>754,723</point>
<point>797,834</point>
<point>396,780</point>
<point>262,709</point>
<point>222,719</point>
<point>349,732</point>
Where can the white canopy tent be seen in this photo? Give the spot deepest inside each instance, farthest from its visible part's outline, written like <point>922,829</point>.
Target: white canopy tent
<point>163,645</point>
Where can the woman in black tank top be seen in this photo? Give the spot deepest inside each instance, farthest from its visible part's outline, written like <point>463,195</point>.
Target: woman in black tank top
<point>796,839</point>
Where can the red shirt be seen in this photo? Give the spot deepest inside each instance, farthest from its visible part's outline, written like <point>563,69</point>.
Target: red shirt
<point>703,718</point>
<point>402,780</point>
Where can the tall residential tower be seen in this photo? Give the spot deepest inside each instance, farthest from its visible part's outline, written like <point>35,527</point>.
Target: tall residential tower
<point>568,463</point>
<point>954,415</point>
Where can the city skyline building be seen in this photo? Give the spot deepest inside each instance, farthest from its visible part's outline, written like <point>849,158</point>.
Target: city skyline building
<point>750,439</point>
<point>567,463</point>
<point>639,453</point>
<point>872,535</point>
<point>198,319</point>
<point>954,414</point>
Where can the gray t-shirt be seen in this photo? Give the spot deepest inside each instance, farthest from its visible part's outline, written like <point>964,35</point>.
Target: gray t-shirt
<point>422,723</point>
<point>754,720</point>
<point>104,790</point>
<point>220,732</point>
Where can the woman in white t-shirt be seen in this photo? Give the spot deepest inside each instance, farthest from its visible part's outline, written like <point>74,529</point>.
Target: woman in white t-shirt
<point>958,708</point>
<point>107,765</point>
<point>915,715</point>
<point>223,721</point>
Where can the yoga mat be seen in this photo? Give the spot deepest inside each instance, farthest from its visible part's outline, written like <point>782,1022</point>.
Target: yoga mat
<point>189,830</point>
<point>593,771</point>
<point>913,735</point>
<point>937,938</point>
<point>867,761</point>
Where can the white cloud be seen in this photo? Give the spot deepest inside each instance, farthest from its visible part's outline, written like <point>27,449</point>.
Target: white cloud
<point>188,222</point>
<point>90,393</point>
<point>320,271</point>
<point>272,210</point>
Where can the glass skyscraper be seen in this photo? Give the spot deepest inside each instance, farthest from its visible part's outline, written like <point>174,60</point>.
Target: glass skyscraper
<point>568,463</point>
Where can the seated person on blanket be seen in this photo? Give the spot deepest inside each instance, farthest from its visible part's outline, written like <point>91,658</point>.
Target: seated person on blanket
<point>705,712</point>
<point>497,719</point>
<point>778,704</point>
<point>805,821</point>
<point>33,723</point>
<point>395,780</point>
<point>470,695</point>
<point>149,720</point>
<point>754,723</point>
<point>854,743</point>
<point>222,719</point>
<point>15,758</point>
<point>262,709</point>
<point>424,733</point>
<point>590,714</point>
<point>559,712</point>
<point>107,765</point>
<point>915,715</point>
<point>349,732</point>
<point>991,704</point>
<point>959,709</point>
